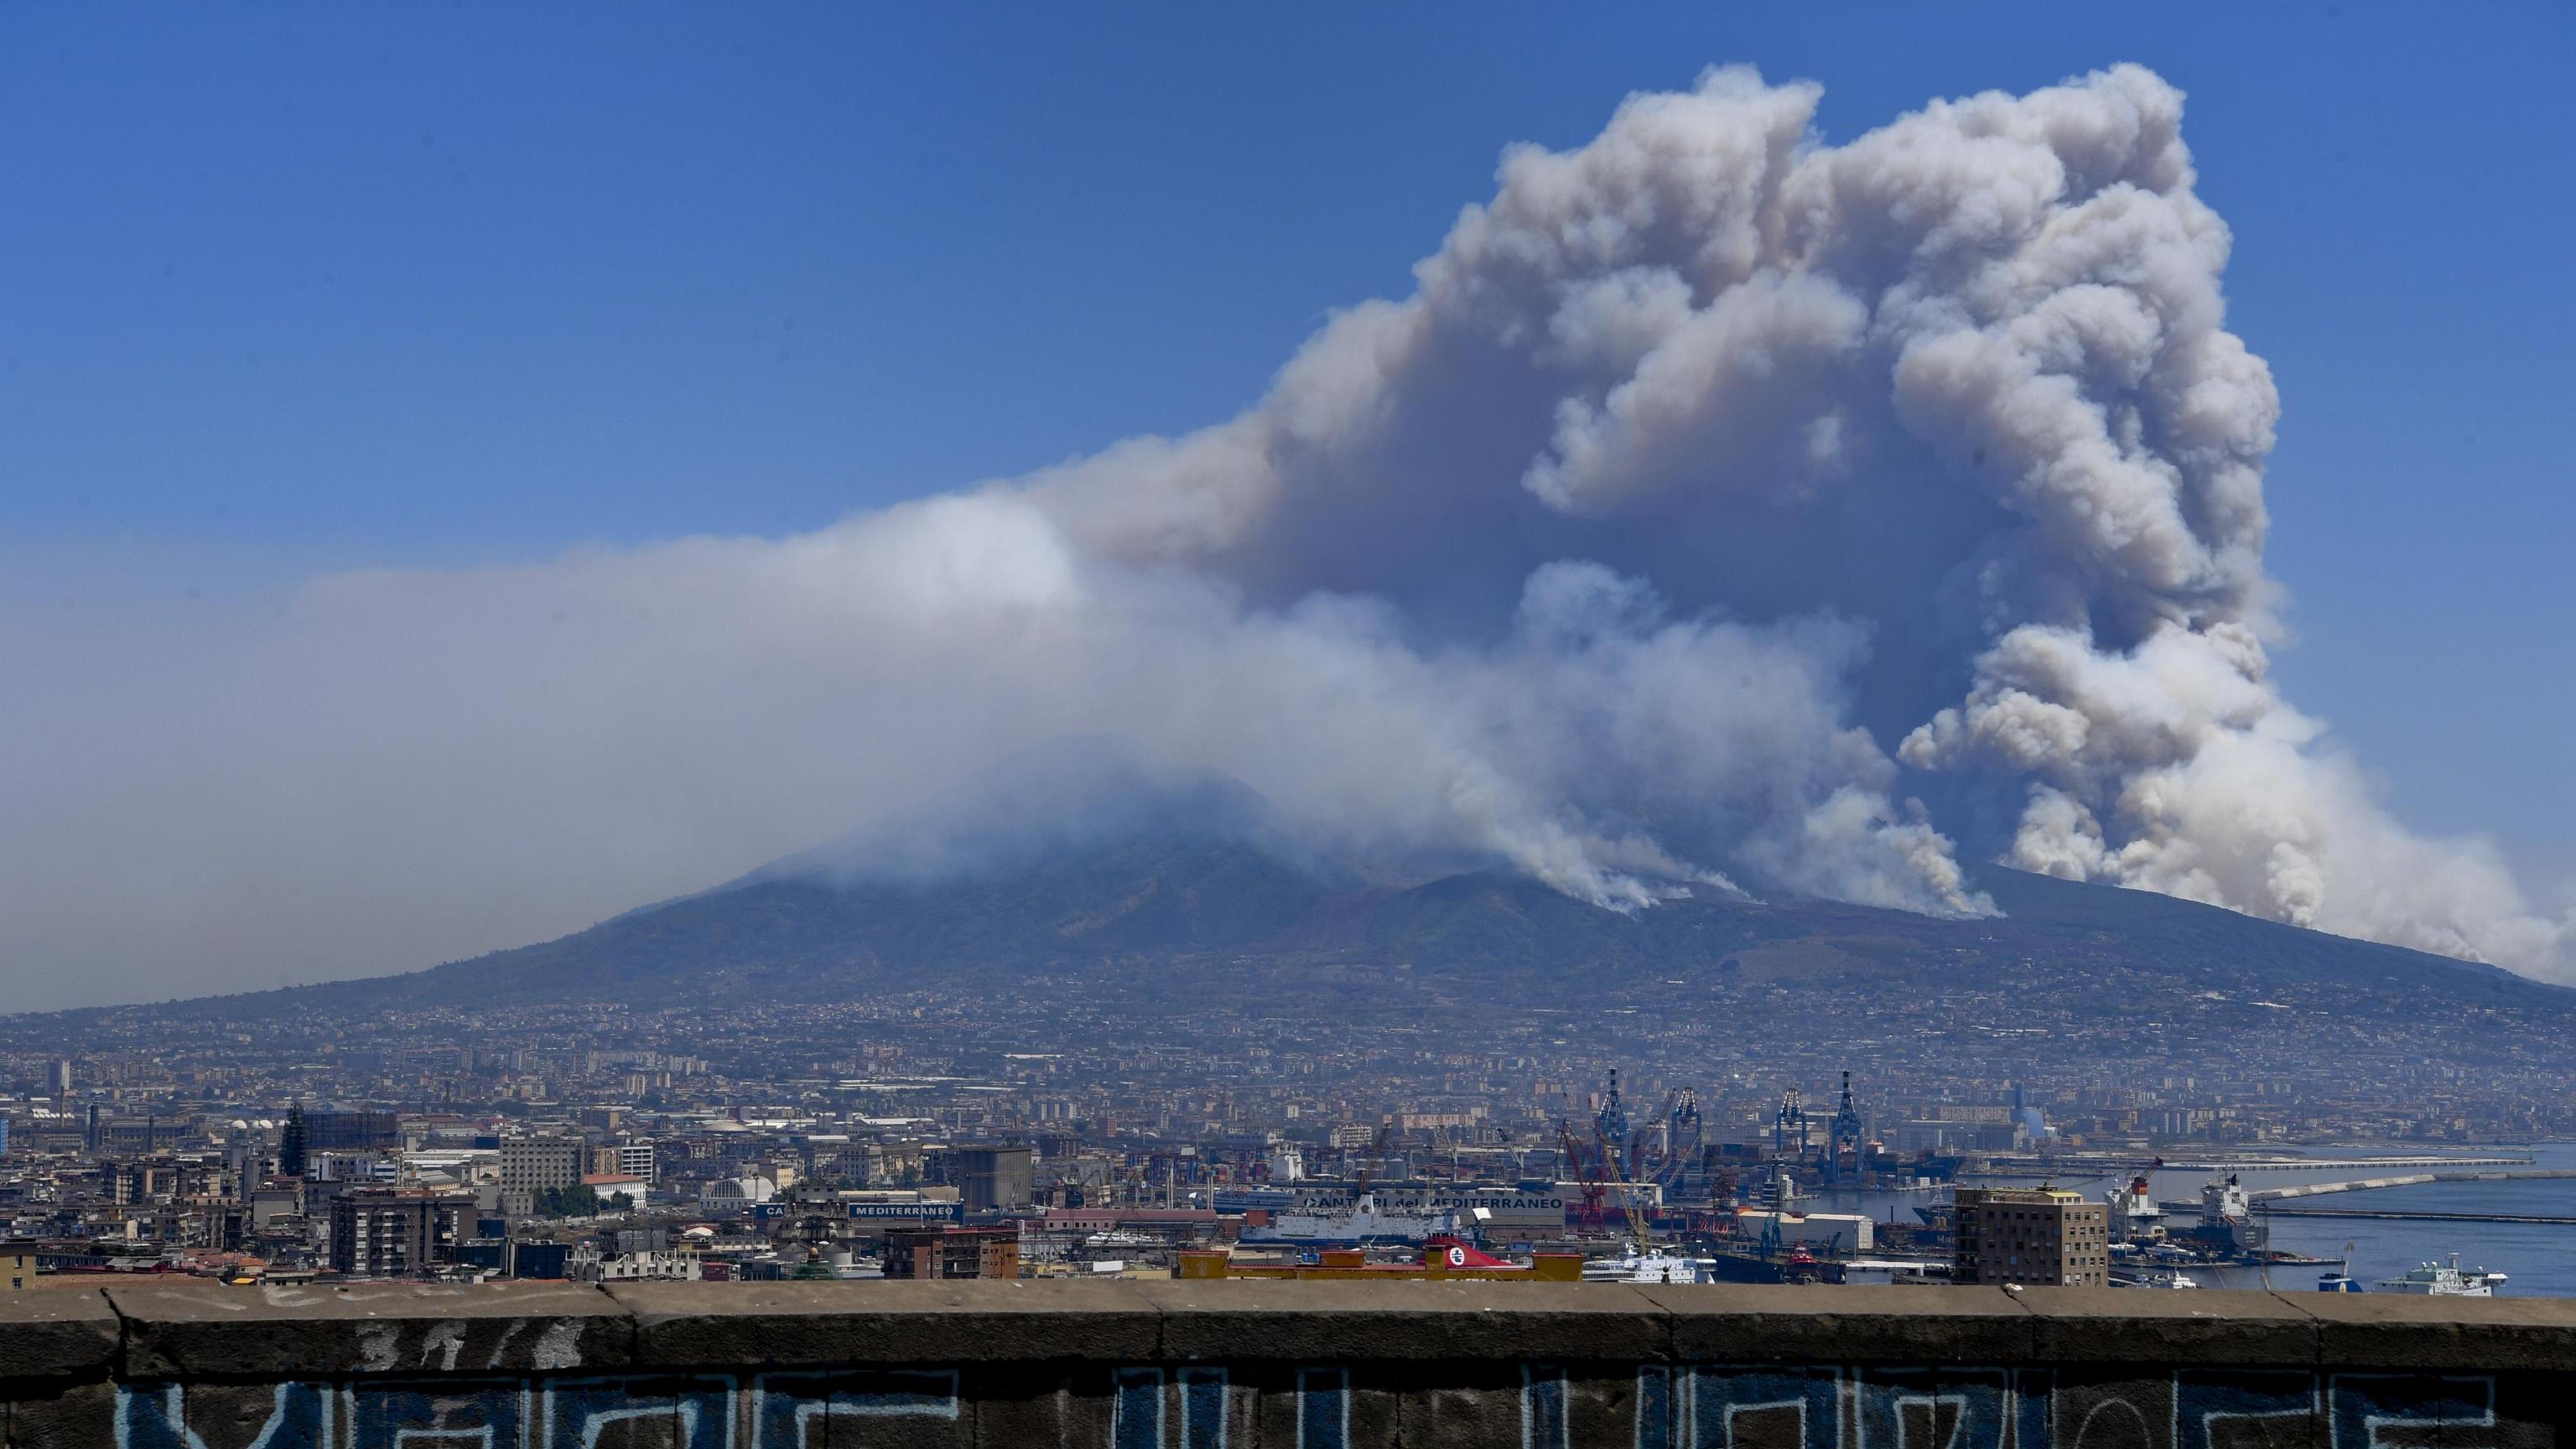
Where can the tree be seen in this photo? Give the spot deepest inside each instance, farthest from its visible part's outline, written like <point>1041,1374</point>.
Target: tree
<point>580,1200</point>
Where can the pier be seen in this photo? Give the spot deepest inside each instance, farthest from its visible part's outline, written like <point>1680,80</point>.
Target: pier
<point>2304,1164</point>
<point>2366,1184</point>
<point>2392,1215</point>
<point>2109,1165</point>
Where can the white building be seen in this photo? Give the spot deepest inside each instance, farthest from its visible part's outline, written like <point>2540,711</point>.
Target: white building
<point>1847,1232</point>
<point>613,1184</point>
<point>736,1192</point>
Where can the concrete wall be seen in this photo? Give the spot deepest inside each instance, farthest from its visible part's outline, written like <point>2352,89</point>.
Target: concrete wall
<point>1178,1365</point>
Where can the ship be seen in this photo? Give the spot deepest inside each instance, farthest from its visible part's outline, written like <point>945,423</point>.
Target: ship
<point>2134,1213</point>
<point>1248,1197</point>
<point>1649,1265</point>
<point>1443,1257</point>
<point>1364,1223</point>
<point>2444,1280</point>
<point>2227,1218</point>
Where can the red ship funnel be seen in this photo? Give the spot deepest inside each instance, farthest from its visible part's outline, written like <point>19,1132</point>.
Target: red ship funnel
<point>1443,1250</point>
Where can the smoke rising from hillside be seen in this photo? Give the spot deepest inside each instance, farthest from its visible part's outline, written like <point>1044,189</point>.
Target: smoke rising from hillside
<point>1964,382</point>
<point>1718,498</point>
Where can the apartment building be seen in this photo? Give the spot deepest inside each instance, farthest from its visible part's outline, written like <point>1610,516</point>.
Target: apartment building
<point>2036,1236</point>
<point>536,1164</point>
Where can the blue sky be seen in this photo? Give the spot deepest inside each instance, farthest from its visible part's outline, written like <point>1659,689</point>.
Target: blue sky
<point>294,287</point>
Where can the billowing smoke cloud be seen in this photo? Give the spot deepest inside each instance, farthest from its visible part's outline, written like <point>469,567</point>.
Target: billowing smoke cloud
<point>1965,380</point>
<point>1718,497</point>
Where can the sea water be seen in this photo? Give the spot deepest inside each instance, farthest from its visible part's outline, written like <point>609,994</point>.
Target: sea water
<point>2538,1259</point>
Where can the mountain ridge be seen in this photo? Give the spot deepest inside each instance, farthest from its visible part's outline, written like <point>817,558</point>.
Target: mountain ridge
<point>1131,911</point>
<point>1079,858</point>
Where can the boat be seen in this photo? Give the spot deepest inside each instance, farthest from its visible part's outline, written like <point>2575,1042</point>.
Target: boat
<point>1362,1224</point>
<point>2159,1280</point>
<point>2445,1280</point>
<point>2227,1218</point>
<point>1244,1198</point>
<point>1893,1272</point>
<point>1443,1257</point>
<point>1744,1267</point>
<point>2134,1215</point>
<point>1649,1266</point>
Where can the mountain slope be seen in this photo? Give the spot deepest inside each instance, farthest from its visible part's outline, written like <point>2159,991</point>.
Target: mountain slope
<point>1121,913</point>
<point>1079,859</point>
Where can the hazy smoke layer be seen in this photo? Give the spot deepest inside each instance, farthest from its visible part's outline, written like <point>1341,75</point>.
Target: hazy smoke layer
<point>1707,466</point>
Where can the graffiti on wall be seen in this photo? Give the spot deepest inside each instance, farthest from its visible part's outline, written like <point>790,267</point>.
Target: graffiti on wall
<point>1197,1406</point>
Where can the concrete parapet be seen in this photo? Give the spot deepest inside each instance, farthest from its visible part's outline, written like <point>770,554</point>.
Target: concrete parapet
<point>181,1330</point>
<point>1780,1323</point>
<point>56,1336</point>
<point>2101,1325</point>
<point>1405,1321</point>
<point>970,1320</point>
<point>1213,1363</point>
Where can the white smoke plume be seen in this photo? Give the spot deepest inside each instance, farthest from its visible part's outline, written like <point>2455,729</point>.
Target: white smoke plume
<point>1965,378</point>
<point>1718,497</point>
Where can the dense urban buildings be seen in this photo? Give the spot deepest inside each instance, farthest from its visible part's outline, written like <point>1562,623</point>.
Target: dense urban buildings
<point>1095,1129</point>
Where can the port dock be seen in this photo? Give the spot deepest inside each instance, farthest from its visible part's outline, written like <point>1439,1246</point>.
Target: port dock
<point>2391,1215</point>
<point>2367,1184</point>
